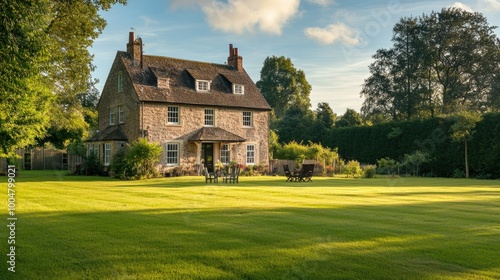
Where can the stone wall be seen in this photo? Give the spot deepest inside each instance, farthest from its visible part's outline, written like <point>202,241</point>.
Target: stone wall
<point>111,98</point>
<point>192,119</point>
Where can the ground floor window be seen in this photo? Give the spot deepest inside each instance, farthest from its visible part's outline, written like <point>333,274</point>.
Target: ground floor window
<point>172,154</point>
<point>250,154</point>
<point>107,154</point>
<point>224,154</point>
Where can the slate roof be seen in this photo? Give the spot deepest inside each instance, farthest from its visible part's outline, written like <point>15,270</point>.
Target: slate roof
<point>182,75</point>
<point>215,134</point>
<point>109,133</point>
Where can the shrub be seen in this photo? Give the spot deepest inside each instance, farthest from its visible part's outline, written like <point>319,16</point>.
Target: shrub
<point>137,161</point>
<point>369,171</point>
<point>91,165</point>
<point>387,165</point>
<point>352,168</point>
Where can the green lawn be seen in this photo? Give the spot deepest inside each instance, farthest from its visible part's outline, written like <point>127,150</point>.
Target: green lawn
<point>72,227</point>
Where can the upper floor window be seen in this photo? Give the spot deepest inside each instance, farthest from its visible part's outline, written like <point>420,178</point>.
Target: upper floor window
<point>173,115</point>
<point>112,115</point>
<point>247,119</point>
<point>121,117</point>
<point>119,81</point>
<point>238,89</point>
<point>202,86</point>
<point>209,117</point>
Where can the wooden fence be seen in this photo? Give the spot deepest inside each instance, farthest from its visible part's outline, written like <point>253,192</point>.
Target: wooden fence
<point>43,159</point>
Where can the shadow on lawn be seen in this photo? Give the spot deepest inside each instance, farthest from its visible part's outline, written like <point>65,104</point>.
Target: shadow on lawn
<point>378,242</point>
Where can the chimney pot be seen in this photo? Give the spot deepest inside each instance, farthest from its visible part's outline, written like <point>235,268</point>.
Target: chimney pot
<point>234,59</point>
<point>131,37</point>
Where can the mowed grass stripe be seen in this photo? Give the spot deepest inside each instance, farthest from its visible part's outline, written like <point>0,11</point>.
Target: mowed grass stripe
<point>263,228</point>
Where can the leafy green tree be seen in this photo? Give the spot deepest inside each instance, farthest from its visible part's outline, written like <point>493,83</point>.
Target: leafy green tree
<point>296,125</point>
<point>438,63</point>
<point>325,119</point>
<point>24,95</point>
<point>44,49</point>
<point>350,118</point>
<point>283,86</point>
<point>73,27</point>
<point>415,160</point>
<point>274,144</point>
<point>463,129</point>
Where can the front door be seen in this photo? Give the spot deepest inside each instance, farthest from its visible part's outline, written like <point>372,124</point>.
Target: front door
<point>207,154</point>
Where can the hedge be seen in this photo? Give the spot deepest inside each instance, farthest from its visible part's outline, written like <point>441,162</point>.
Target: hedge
<point>367,144</point>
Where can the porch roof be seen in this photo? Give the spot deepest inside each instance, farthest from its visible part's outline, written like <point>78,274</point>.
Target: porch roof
<point>109,133</point>
<point>215,134</point>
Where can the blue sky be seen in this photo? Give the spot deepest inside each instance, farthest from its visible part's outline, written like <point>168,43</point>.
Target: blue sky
<point>332,41</point>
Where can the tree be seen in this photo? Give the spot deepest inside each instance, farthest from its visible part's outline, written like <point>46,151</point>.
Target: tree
<point>350,118</point>
<point>438,63</point>
<point>45,64</point>
<point>415,160</point>
<point>325,116</point>
<point>283,86</point>
<point>24,95</point>
<point>73,27</point>
<point>463,129</point>
<point>296,125</point>
<point>274,144</point>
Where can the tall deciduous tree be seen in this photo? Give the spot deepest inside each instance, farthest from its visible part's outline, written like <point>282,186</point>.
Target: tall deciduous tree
<point>350,118</point>
<point>283,86</point>
<point>24,96</point>
<point>45,65</point>
<point>325,120</point>
<point>73,27</point>
<point>438,63</point>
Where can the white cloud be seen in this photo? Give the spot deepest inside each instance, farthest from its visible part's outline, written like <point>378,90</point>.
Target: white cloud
<point>493,4</point>
<point>333,33</point>
<point>462,6</point>
<point>238,16</point>
<point>321,2</point>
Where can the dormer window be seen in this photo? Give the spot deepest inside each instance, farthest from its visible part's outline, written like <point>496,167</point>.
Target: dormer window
<point>238,89</point>
<point>202,86</point>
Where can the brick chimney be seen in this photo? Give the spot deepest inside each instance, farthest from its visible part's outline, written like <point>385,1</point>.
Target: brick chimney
<point>134,48</point>
<point>234,59</point>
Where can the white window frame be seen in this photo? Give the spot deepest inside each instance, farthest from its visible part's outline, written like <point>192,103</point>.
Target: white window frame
<point>238,89</point>
<point>250,154</point>
<point>172,153</point>
<point>202,85</point>
<point>111,115</point>
<point>171,117</point>
<point>107,154</point>
<point>225,154</point>
<point>209,117</point>
<point>119,81</point>
<point>121,116</point>
<point>247,119</point>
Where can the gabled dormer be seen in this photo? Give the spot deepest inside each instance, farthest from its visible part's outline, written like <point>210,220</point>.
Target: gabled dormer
<point>202,79</point>
<point>161,77</point>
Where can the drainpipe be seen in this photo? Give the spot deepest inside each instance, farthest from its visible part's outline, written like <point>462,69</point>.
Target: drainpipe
<point>142,120</point>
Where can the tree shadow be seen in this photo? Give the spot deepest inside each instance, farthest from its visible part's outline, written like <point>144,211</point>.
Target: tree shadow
<point>377,242</point>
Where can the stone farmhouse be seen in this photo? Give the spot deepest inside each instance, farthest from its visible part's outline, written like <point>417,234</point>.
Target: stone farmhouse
<point>199,112</point>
